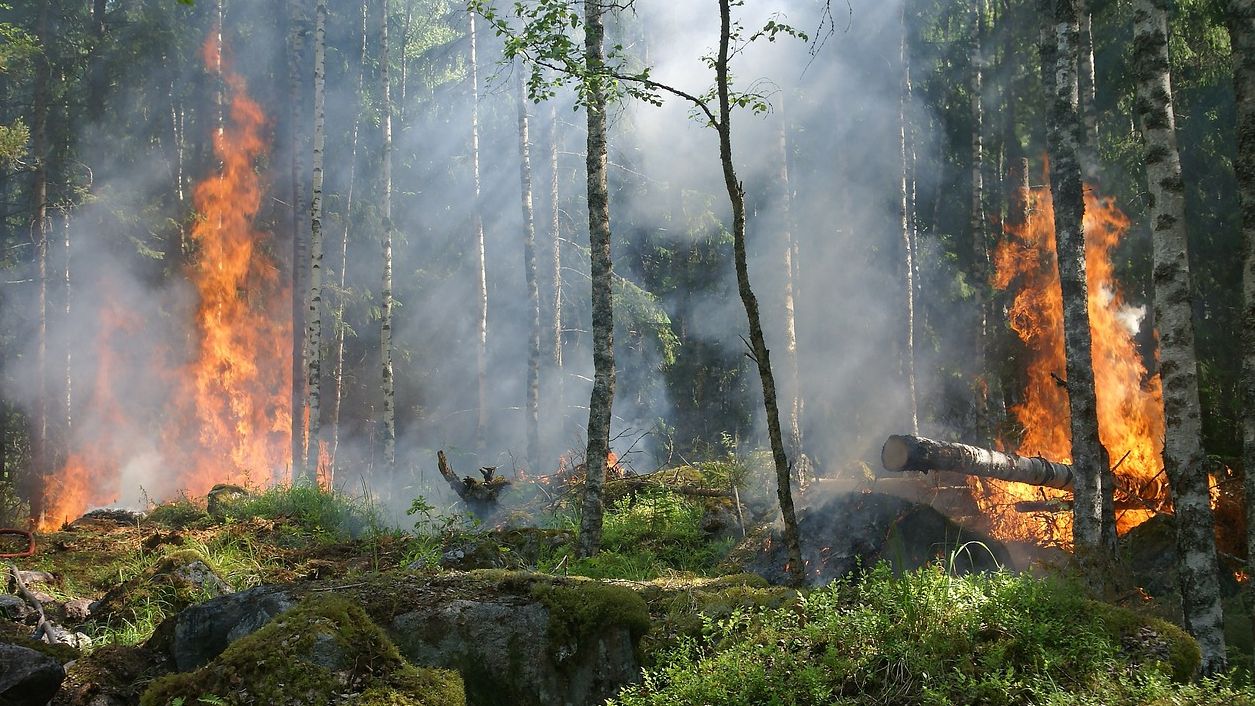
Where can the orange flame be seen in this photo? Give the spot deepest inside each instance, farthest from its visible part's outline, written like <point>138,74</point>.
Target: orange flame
<point>1130,402</point>
<point>228,415</point>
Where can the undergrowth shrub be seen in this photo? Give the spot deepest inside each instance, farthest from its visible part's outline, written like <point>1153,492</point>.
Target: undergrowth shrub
<point>313,509</point>
<point>931,638</point>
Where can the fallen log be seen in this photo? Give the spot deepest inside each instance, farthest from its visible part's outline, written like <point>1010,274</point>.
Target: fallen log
<point>915,453</point>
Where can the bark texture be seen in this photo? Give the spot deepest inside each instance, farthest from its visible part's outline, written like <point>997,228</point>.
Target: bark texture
<point>36,492</point>
<point>1092,537</point>
<point>908,238</point>
<point>976,213</point>
<point>1178,366</point>
<point>313,326</point>
<point>555,232</point>
<point>602,397</point>
<point>1087,91</point>
<point>481,274</point>
<point>296,164</point>
<point>532,405</point>
<point>915,453</point>
<point>758,343</point>
<point>385,315</point>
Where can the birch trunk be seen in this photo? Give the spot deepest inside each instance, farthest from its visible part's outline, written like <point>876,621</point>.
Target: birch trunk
<point>299,419</point>
<point>555,231</point>
<point>1178,367</point>
<point>908,241</point>
<point>601,398</point>
<point>1241,23</point>
<point>341,330</point>
<point>313,327</point>
<point>976,213</point>
<point>481,274</point>
<point>532,407</point>
<point>758,343</point>
<point>790,312</point>
<point>1089,459</point>
<point>1088,91</point>
<point>385,316</point>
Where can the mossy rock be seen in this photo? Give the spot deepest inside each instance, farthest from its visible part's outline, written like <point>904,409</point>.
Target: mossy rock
<point>177,580</point>
<point>324,651</point>
<point>1151,642</point>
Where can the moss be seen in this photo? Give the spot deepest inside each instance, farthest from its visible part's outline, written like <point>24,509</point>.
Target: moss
<point>324,651</point>
<point>580,610</point>
<point>681,611</point>
<point>1151,640</point>
<point>12,635</point>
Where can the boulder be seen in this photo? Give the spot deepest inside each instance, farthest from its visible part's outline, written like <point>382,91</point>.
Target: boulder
<point>325,650</point>
<point>28,676</point>
<point>13,607</point>
<point>519,639</point>
<point>848,532</point>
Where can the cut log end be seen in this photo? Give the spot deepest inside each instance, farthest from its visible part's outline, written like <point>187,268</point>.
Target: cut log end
<point>896,453</point>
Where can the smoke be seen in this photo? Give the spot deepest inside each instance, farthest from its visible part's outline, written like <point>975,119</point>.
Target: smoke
<point>837,100</point>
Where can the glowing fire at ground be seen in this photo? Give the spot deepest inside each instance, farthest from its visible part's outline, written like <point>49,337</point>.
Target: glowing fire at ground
<point>227,415</point>
<point>1130,406</point>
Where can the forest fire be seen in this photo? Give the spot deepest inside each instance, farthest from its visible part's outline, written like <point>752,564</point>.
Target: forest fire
<point>1130,407</point>
<point>226,415</point>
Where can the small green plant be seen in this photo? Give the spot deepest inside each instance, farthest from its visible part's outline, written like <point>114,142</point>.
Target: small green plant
<point>323,513</point>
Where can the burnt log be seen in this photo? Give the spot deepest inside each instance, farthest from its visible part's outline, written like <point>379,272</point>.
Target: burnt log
<point>915,453</point>
<point>479,495</point>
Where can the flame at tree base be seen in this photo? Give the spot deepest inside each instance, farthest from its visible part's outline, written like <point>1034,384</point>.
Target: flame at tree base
<point>1130,401</point>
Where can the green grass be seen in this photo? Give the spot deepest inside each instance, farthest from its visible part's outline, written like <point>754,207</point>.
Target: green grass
<point>313,510</point>
<point>930,638</point>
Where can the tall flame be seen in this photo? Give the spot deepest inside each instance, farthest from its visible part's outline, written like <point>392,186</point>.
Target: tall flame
<point>226,416</point>
<point>1130,401</point>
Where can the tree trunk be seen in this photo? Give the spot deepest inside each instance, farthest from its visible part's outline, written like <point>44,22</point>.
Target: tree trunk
<point>736,194</point>
<point>1088,92</point>
<point>481,273</point>
<point>1178,366</point>
<point>36,492</point>
<point>1094,543</point>
<point>67,400</point>
<point>976,213</point>
<point>1241,22</point>
<point>313,328</point>
<point>341,328</point>
<point>385,316</point>
<point>908,239</point>
<point>790,310</point>
<point>555,230</point>
<point>532,407</point>
<point>915,453</point>
<point>601,399</point>
<point>299,419</point>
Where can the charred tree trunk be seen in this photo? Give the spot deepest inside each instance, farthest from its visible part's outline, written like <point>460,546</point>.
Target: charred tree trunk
<point>313,329</point>
<point>1092,531</point>
<point>908,239</point>
<point>481,273</point>
<point>341,329</point>
<point>602,397</point>
<point>758,343</point>
<point>532,407</point>
<point>915,453</point>
<point>1178,366</point>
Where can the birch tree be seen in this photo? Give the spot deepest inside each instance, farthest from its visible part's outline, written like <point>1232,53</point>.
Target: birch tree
<point>532,405</point>
<point>555,233</point>
<point>481,273</point>
<point>313,328</point>
<point>1092,542</point>
<point>385,308</point>
<point>296,165</point>
<point>1183,455</point>
<point>908,240</point>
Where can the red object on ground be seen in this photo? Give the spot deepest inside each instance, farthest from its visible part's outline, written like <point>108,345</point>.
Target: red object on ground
<point>30,543</point>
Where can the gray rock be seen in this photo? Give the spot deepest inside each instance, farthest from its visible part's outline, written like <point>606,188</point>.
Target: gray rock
<point>78,609</point>
<point>13,607</point>
<point>203,631</point>
<point>504,652</point>
<point>28,677</point>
